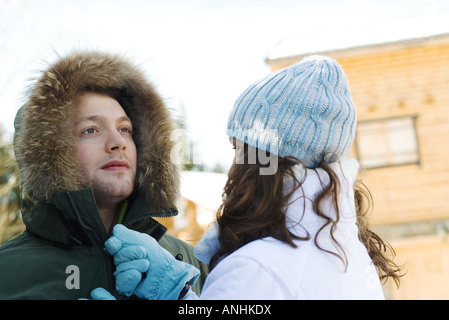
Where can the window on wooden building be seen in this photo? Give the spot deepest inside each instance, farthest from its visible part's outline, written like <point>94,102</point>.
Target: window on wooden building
<point>387,142</point>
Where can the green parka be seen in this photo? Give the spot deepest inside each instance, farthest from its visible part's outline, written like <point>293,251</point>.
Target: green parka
<point>61,254</point>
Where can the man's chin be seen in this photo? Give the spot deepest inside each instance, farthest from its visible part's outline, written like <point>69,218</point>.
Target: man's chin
<point>114,191</point>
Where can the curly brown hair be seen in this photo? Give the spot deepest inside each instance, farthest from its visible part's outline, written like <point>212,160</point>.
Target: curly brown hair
<point>254,206</point>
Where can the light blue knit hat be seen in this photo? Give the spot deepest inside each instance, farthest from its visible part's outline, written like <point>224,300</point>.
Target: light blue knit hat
<point>304,110</point>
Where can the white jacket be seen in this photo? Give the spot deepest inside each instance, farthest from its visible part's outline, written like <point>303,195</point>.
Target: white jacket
<point>270,269</point>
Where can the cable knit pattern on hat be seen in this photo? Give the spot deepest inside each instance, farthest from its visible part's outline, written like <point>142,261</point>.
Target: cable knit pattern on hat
<point>304,110</point>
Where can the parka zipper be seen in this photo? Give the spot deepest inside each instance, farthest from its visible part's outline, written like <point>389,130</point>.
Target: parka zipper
<point>98,241</point>
<point>170,213</point>
<point>158,231</point>
<point>141,218</point>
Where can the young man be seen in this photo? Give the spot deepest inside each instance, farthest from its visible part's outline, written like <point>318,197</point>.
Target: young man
<point>93,148</point>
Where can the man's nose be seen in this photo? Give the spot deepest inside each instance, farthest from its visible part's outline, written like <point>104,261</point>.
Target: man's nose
<point>116,142</point>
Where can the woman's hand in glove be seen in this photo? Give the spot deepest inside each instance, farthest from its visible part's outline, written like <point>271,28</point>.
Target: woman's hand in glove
<point>146,269</point>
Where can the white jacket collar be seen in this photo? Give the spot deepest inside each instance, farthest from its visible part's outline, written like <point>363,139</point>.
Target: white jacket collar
<point>301,207</point>
<point>300,214</point>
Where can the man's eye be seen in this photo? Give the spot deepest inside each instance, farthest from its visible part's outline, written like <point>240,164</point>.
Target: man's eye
<point>126,130</point>
<point>89,131</point>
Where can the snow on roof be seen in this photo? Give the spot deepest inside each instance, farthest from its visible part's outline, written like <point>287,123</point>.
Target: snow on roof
<point>359,36</point>
<point>203,188</point>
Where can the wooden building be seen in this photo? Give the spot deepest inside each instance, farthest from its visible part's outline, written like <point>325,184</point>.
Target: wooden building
<point>201,197</point>
<point>401,92</point>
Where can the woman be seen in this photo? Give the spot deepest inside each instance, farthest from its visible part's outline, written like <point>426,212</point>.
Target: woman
<point>293,220</point>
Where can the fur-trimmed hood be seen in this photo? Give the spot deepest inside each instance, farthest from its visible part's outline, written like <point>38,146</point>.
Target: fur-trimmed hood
<point>43,142</point>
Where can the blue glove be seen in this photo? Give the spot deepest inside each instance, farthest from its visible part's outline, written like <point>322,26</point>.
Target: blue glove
<point>136,253</point>
<point>130,263</point>
<point>100,294</point>
<point>208,244</point>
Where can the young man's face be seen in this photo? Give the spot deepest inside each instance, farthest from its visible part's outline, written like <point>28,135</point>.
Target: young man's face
<point>104,147</point>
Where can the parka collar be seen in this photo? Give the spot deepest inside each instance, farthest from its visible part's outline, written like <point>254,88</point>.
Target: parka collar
<point>72,219</point>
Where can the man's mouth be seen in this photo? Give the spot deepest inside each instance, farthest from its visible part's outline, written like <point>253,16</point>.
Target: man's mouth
<point>116,165</point>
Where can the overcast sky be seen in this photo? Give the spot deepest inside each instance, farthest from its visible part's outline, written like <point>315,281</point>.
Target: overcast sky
<point>200,54</point>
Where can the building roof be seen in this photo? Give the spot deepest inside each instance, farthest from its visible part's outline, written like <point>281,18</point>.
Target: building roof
<point>340,40</point>
<point>203,188</point>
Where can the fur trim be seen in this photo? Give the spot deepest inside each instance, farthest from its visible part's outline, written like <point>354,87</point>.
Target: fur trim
<point>43,142</point>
